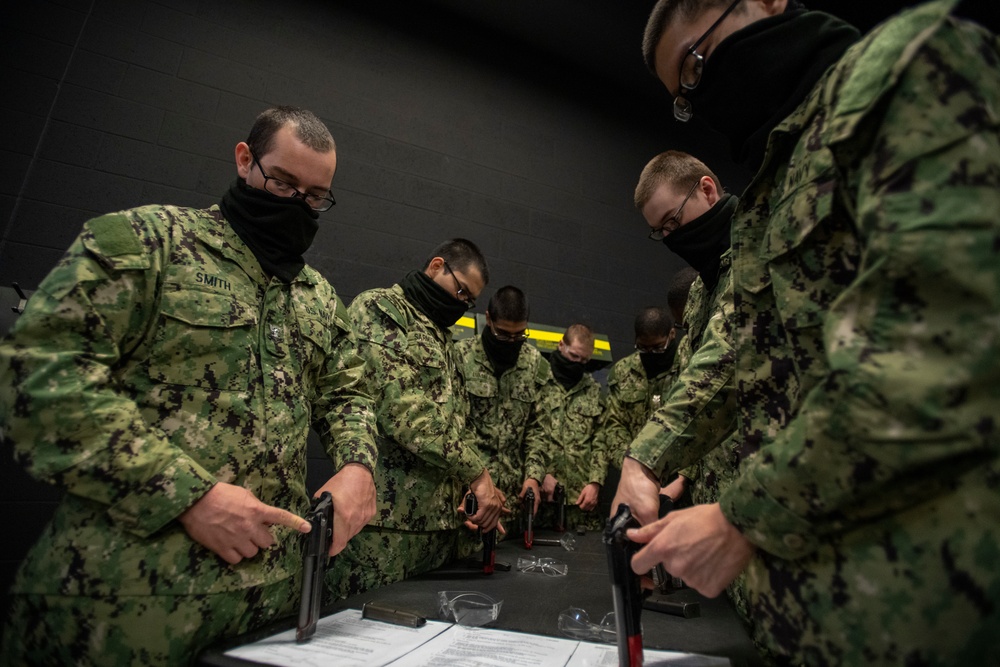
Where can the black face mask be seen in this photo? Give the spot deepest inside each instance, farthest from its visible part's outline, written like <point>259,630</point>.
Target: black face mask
<point>502,354</point>
<point>276,229</point>
<point>567,373</point>
<point>655,363</point>
<point>431,299</point>
<point>702,241</point>
<point>759,74</point>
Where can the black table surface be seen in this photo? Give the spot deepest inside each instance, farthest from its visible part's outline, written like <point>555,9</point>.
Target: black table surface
<point>533,601</point>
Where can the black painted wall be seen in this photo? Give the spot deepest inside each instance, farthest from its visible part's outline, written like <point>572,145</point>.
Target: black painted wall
<point>444,129</point>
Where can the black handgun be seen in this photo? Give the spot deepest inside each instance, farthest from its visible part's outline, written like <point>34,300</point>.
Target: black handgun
<point>626,588</point>
<point>528,512</point>
<point>489,536</point>
<point>315,559</point>
<point>559,498</point>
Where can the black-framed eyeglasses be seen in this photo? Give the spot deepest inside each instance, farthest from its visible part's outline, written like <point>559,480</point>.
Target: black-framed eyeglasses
<point>462,293</point>
<point>653,349</point>
<point>674,221</point>
<point>278,187</point>
<point>507,337</point>
<point>692,65</point>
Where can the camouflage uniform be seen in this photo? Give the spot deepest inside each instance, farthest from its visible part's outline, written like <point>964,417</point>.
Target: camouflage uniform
<point>697,425</point>
<point>698,415</point>
<point>155,360</point>
<point>426,457</point>
<point>867,294</point>
<point>577,459</point>
<point>509,416</point>
<point>632,398</point>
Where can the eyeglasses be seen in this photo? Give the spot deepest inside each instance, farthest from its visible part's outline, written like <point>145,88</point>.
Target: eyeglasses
<point>276,186</point>
<point>653,349</point>
<point>692,65</point>
<point>674,221</point>
<point>461,292</point>
<point>506,337</point>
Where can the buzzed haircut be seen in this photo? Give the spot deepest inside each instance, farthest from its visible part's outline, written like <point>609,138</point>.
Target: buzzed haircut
<point>309,129</point>
<point>461,255</point>
<point>508,303</point>
<point>664,12</point>
<point>579,333</point>
<point>677,293</point>
<point>653,321</point>
<point>680,170</point>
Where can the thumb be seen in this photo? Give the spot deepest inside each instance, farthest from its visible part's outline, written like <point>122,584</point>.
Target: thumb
<point>279,517</point>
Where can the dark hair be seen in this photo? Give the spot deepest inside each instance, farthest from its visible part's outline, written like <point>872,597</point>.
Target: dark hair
<point>309,129</point>
<point>461,255</point>
<point>677,293</point>
<point>508,303</point>
<point>680,170</point>
<point>653,321</point>
<point>663,13</point>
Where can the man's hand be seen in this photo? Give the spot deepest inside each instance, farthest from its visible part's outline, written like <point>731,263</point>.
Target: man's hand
<point>587,499</point>
<point>640,490</point>
<point>532,484</point>
<point>353,491</point>
<point>231,522</point>
<point>696,544</point>
<point>549,487</point>
<point>675,489</point>
<point>491,502</point>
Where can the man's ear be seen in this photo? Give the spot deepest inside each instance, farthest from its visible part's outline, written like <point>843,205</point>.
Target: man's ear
<point>434,267</point>
<point>244,159</point>
<point>708,188</point>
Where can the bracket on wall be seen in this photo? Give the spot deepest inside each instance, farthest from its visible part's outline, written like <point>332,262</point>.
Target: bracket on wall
<point>19,308</point>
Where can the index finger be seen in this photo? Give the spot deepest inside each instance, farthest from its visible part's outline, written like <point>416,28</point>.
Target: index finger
<point>276,516</point>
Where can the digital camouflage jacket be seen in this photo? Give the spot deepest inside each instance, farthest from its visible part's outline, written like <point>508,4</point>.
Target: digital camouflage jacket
<point>698,415</point>
<point>426,455</point>
<point>509,417</point>
<point>867,290</point>
<point>577,460</point>
<point>155,360</point>
<point>632,399</point>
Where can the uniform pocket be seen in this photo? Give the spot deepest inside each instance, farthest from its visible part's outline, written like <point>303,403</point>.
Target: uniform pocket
<point>205,339</point>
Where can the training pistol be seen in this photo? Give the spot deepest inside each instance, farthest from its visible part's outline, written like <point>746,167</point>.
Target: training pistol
<point>528,512</point>
<point>626,588</point>
<point>315,559</point>
<point>489,536</point>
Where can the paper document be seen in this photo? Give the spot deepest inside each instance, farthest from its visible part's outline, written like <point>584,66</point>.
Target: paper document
<point>347,640</point>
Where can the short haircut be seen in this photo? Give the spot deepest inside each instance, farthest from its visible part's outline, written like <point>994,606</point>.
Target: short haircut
<point>579,333</point>
<point>508,303</point>
<point>461,255</point>
<point>664,12</point>
<point>309,129</point>
<point>677,293</point>
<point>653,321</point>
<point>680,170</point>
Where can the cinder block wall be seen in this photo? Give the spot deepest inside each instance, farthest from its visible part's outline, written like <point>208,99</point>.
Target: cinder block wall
<point>442,131</point>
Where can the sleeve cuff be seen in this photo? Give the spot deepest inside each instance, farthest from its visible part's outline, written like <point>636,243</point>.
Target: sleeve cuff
<point>163,498</point>
<point>765,521</point>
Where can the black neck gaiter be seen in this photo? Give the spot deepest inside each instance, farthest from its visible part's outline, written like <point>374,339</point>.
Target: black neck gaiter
<point>655,363</point>
<point>759,74</point>
<point>431,299</point>
<point>502,354</point>
<point>276,229</point>
<point>567,373</point>
<point>702,242</point>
